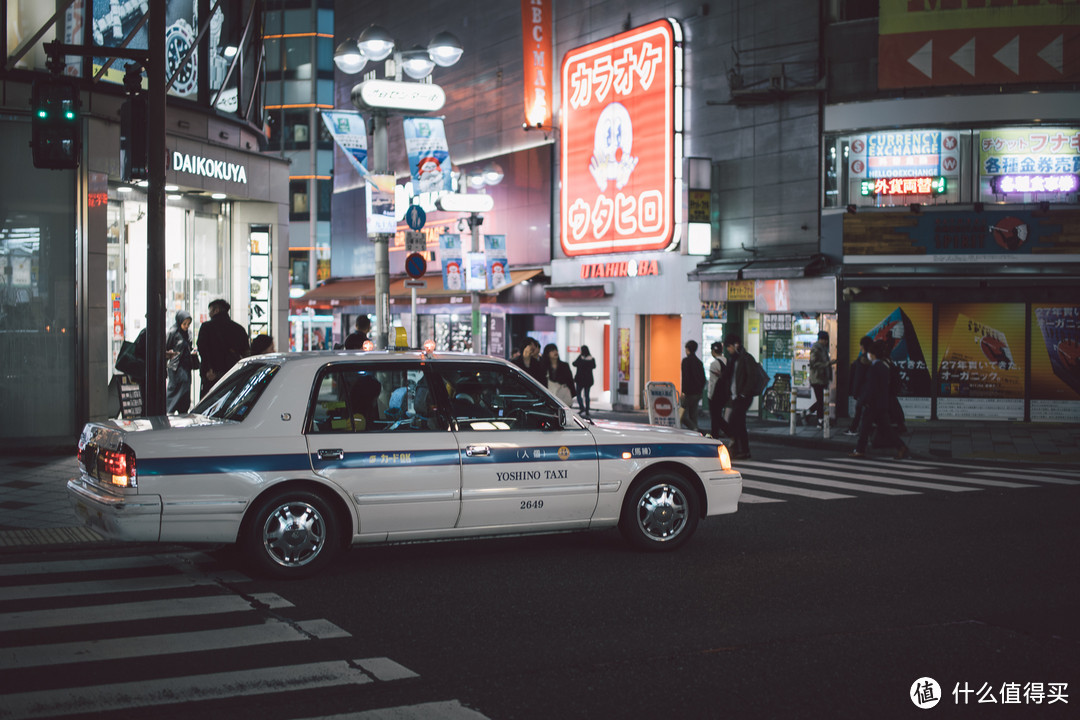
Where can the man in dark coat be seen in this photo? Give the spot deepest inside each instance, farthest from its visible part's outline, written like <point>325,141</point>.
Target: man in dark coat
<point>222,342</point>
<point>531,362</point>
<point>856,378</point>
<point>356,339</point>
<point>181,361</point>
<point>875,403</point>
<point>739,379</point>
<point>693,385</point>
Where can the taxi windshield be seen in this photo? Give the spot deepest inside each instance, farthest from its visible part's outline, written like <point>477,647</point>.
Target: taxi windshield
<point>235,396</point>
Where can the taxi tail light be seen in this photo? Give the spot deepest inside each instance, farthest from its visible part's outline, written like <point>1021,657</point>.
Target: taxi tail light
<point>725,457</point>
<point>117,467</point>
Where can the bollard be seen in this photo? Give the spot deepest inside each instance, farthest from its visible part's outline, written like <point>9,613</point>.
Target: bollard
<point>793,417</point>
<point>827,413</point>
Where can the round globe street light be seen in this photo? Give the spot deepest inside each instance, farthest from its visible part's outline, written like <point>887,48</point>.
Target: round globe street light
<point>445,49</point>
<point>375,43</point>
<point>416,63</point>
<point>493,174</point>
<point>348,57</point>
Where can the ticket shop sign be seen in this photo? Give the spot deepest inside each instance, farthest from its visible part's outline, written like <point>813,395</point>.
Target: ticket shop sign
<point>621,150</point>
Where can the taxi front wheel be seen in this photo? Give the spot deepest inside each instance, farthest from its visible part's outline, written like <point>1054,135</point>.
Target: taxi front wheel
<point>660,512</point>
<point>292,534</point>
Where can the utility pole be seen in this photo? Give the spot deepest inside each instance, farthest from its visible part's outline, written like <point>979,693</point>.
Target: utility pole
<point>154,402</point>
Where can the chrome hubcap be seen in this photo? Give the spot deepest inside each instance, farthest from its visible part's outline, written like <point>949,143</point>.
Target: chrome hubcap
<point>661,512</point>
<point>294,534</point>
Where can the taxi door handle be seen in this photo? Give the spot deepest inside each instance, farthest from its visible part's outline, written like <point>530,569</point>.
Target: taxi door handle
<point>336,454</point>
<point>477,450</point>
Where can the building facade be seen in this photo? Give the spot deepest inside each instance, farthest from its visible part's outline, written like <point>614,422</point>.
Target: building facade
<point>73,246</point>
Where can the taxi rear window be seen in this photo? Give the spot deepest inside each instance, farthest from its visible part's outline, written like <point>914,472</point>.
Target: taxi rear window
<point>235,396</point>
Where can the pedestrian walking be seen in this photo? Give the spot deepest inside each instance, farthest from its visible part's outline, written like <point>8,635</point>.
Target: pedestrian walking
<point>719,391</point>
<point>583,378</point>
<point>531,362</point>
<point>693,385</point>
<point>356,339</point>
<point>741,383</point>
<point>560,379</point>
<point>181,359</point>
<point>222,342</point>
<point>875,402</point>
<point>820,376</point>
<point>856,378</point>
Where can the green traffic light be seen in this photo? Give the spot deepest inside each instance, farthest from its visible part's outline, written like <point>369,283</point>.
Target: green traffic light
<point>43,114</point>
<point>69,115</point>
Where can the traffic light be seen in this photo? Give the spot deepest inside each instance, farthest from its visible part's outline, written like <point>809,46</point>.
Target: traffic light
<point>56,136</point>
<point>135,138</point>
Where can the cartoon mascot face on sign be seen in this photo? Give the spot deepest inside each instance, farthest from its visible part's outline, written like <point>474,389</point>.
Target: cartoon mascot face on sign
<point>430,174</point>
<point>612,142</point>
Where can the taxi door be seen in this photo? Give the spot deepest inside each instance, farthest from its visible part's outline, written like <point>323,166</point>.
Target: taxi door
<point>370,432</point>
<point>518,465</point>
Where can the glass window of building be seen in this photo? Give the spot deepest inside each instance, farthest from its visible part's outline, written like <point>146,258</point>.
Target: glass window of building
<point>299,206</point>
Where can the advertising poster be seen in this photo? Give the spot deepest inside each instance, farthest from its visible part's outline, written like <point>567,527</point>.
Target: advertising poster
<point>429,156</point>
<point>381,221</point>
<point>905,328</point>
<point>475,271</point>
<point>777,355</point>
<point>1041,150</point>
<point>350,133</point>
<point>453,269</point>
<point>624,361</point>
<point>620,133</point>
<point>1055,363</point>
<point>980,365</point>
<point>495,256</point>
<point>907,153</point>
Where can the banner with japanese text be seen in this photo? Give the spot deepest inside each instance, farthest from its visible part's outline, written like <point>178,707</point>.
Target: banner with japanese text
<point>980,361</point>
<point>350,133</point>
<point>453,270</point>
<point>495,259</point>
<point>907,330</point>
<point>537,59</point>
<point>1055,363</point>
<point>620,140</point>
<point>429,156</point>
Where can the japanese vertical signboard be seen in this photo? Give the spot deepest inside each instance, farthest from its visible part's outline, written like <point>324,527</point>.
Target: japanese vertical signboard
<point>622,142</point>
<point>980,369</point>
<point>537,57</point>
<point>926,43</point>
<point>429,156</point>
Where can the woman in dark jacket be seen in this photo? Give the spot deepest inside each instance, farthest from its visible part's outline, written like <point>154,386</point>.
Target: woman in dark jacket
<point>181,361</point>
<point>560,379</point>
<point>585,365</point>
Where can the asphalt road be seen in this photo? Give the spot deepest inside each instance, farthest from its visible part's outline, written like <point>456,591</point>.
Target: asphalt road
<point>803,608</point>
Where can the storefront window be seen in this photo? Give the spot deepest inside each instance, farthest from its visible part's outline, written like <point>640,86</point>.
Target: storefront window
<point>895,168</point>
<point>37,296</point>
<point>1029,165</point>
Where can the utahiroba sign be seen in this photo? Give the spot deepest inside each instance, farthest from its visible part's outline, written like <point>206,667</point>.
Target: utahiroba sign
<point>622,142</point>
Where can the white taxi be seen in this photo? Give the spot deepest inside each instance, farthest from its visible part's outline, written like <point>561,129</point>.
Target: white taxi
<point>297,456</point>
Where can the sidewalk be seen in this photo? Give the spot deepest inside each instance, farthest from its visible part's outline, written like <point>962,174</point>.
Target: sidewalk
<point>35,512</point>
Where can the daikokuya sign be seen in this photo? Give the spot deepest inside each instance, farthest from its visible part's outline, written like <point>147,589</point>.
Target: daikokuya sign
<point>622,142</point>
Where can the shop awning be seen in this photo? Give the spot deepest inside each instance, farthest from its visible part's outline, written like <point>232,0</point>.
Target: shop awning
<point>763,269</point>
<point>345,291</point>
<point>578,292</point>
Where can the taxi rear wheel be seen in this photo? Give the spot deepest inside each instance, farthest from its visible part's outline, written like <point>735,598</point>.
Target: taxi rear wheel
<point>292,534</point>
<point>660,512</point>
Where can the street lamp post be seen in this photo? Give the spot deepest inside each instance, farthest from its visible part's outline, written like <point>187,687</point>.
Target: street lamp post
<point>374,45</point>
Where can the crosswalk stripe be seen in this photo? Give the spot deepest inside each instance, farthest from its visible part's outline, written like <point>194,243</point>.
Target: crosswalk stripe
<point>878,478</point>
<point>748,498</point>
<point>447,710</point>
<point>152,609</point>
<point>838,484</point>
<point>100,564</point>
<point>1026,476</point>
<point>789,490</point>
<point>272,631</point>
<point>190,688</point>
<point>947,478</point>
<point>99,587</point>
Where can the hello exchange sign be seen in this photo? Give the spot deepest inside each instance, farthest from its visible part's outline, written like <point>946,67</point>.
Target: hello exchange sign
<point>622,142</point>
